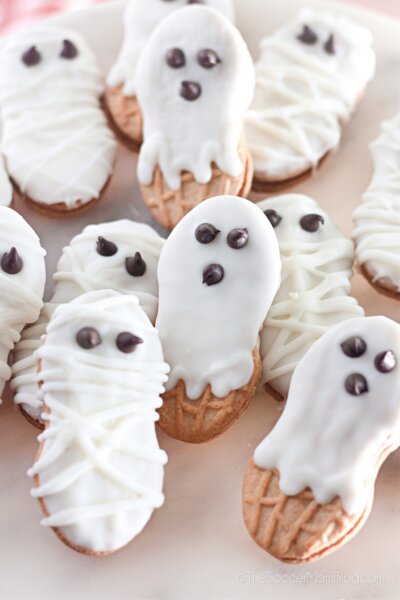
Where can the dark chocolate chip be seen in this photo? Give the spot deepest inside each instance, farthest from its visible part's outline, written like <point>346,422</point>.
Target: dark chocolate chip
<point>386,361</point>
<point>356,384</point>
<point>69,50</point>
<point>213,274</point>
<point>88,338</point>
<point>176,58</point>
<point>208,59</point>
<point>354,347</point>
<point>31,57</point>
<point>238,238</point>
<point>127,342</point>
<point>273,217</point>
<point>105,247</point>
<point>195,1</point>
<point>330,46</point>
<point>190,90</point>
<point>135,265</point>
<point>312,223</point>
<point>308,36</point>
<point>11,262</point>
<point>206,233</point>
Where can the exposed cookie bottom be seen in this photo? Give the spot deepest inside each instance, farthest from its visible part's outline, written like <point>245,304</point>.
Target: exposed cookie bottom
<point>383,285</point>
<point>124,116</point>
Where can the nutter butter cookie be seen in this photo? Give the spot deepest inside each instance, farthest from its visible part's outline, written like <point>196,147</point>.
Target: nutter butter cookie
<point>195,81</point>
<point>309,487</point>
<point>141,17</point>
<point>58,148</point>
<point>218,273</point>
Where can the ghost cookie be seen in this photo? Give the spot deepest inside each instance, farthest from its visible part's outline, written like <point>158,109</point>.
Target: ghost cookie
<point>141,17</point>
<point>57,145</point>
<point>122,256</point>
<point>195,80</point>
<point>6,189</point>
<point>317,261</point>
<point>218,273</point>
<point>99,470</point>
<point>310,76</point>
<point>309,487</point>
<point>377,219</point>
<point>22,281</point>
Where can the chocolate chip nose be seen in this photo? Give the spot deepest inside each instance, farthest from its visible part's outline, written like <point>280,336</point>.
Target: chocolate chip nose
<point>190,90</point>
<point>195,2</point>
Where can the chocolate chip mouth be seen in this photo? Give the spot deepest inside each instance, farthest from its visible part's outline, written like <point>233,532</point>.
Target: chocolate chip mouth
<point>190,90</point>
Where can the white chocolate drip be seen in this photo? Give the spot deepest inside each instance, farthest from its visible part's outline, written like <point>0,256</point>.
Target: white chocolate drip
<point>100,467</point>
<point>377,219</point>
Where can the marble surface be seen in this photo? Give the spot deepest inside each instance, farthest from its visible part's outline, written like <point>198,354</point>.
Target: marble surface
<point>196,546</point>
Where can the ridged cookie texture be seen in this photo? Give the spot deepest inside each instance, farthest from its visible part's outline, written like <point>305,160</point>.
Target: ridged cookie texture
<point>120,255</point>
<point>309,487</point>
<point>99,471</point>
<point>193,98</point>
<point>140,20</point>
<point>309,78</point>
<point>218,273</point>
<point>314,295</point>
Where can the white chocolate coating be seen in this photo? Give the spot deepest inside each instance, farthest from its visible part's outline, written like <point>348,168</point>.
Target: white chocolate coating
<point>6,190</point>
<point>327,439</point>
<point>22,293</point>
<point>141,17</point>
<point>52,111</point>
<point>82,269</point>
<point>304,94</point>
<point>214,120</point>
<point>377,219</point>
<point>100,468</point>
<point>210,332</point>
<point>314,292</point>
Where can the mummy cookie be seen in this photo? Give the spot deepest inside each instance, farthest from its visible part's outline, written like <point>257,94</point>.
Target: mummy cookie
<point>57,145</point>
<point>6,190</point>
<point>22,281</point>
<point>99,470</point>
<point>317,261</point>
<point>122,256</point>
<point>141,17</point>
<point>310,76</point>
<point>218,273</point>
<point>377,219</point>
<point>309,487</point>
<point>195,80</point>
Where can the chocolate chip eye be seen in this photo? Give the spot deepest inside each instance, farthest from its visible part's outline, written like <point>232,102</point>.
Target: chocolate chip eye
<point>208,59</point>
<point>273,217</point>
<point>356,384</point>
<point>31,57</point>
<point>105,247</point>
<point>386,361</point>
<point>176,58</point>
<point>11,262</point>
<point>69,50</point>
<point>330,46</point>
<point>206,233</point>
<point>308,36</point>
<point>135,265</point>
<point>88,338</point>
<point>127,342</point>
<point>213,274</point>
<point>238,238</point>
<point>190,90</point>
<point>354,347</point>
<point>312,223</point>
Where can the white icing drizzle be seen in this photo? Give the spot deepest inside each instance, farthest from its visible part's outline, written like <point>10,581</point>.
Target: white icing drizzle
<point>6,190</point>
<point>21,294</point>
<point>140,20</point>
<point>304,94</point>
<point>328,439</point>
<point>214,119</point>
<point>314,292</point>
<point>100,467</point>
<point>82,269</point>
<point>209,333</point>
<point>377,219</point>
<point>52,111</point>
